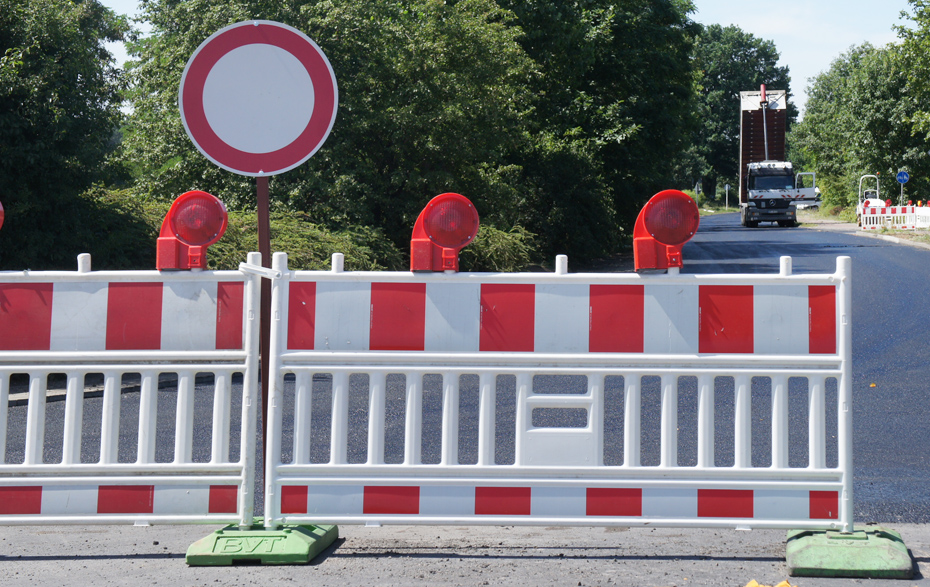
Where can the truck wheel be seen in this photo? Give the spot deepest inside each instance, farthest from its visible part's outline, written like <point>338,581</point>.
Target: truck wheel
<point>752,224</point>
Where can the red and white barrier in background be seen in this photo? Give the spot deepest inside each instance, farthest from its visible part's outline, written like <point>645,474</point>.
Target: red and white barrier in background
<point>745,329</point>
<point>897,217</point>
<point>140,324</point>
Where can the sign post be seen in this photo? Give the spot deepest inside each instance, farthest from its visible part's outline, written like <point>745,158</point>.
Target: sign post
<point>727,201</point>
<point>259,98</point>
<point>902,178</point>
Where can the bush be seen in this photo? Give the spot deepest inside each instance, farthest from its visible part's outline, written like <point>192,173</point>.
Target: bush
<point>498,250</point>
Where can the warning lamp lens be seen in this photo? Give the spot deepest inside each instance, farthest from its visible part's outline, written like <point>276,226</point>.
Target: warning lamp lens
<point>671,217</point>
<point>451,221</point>
<point>198,218</point>
<point>1,215</point>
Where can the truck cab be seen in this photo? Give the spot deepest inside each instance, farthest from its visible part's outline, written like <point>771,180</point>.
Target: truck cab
<point>773,192</point>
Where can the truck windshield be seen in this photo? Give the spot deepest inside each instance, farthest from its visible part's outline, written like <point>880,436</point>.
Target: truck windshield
<point>772,182</point>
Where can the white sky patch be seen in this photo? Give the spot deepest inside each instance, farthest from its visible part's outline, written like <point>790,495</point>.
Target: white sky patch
<point>809,35</point>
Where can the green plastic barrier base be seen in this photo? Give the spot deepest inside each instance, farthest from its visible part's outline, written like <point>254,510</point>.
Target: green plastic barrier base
<point>873,553</point>
<point>288,545</point>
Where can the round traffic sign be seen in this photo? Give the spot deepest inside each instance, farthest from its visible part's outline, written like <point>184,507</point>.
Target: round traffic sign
<point>903,177</point>
<point>258,98</point>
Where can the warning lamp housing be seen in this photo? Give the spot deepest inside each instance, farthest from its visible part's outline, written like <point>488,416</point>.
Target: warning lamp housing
<point>667,221</point>
<point>444,227</point>
<point>195,221</point>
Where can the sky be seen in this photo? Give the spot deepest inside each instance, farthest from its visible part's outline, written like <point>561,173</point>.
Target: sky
<point>808,34</point>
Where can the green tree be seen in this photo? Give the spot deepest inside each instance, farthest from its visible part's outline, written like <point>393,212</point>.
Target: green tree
<point>431,100</point>
<point>728,61</point>
<point>615,90</point>
<point>59,112</point>
<point>858,121</point>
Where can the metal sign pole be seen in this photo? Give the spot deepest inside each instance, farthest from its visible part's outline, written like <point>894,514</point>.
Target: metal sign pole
<point>264,247</point>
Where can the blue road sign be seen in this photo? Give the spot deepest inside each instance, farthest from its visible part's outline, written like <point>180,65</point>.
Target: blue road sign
<point>903,177</point>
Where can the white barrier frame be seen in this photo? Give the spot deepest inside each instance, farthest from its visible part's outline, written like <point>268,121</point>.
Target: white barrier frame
<point>180,475</point>
<point>596,366</point>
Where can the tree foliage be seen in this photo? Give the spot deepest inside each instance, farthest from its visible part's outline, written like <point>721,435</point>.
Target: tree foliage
<point>728,61</point>
<point>59,110</point>
<point>860,121</point>
<point>553,117</point>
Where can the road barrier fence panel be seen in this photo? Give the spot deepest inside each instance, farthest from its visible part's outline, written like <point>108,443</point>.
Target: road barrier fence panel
<point>132,354</point>
<point>560,399</point>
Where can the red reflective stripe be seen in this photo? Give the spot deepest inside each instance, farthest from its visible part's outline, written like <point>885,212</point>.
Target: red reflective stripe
<point>229,296</point>
<point>125,499</point>
<point>503,501</point>
<point>294,499</point>
<point>134,316</point>
<point>726,319</point>
<point>404,499</point>
<point>725,503</point>
<point>20,500</point>
<point>508,317</point>
<point>616,319</point>
<point>825,505</point>
<point>611,501</point>
<point>301,315</point>
<point>25,316</point>
<point>398,316</point>
<point>822,303</point>
<point>223,499</point>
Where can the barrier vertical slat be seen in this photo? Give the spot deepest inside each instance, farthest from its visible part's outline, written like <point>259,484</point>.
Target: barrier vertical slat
<point>669,432</point>
<point>779,421</point>
<point>35,418</point>
<point>705,455</point>
<point>524,387</point>
<point>148,412</point>
<point>816,423</point>
<point>596,415</point>
<point>74,414</point>
<point>219,449</point>
<point>450,419</point>
<point>246,502</point>
<point>4,412</point>
<point>413,434</point>
<point>487,418</point>
<point>274,423</point>
<point>632,420</point>
<point>184,423</point>
<point>340,426</point>
<point>845,424</point>
<point>303,410</point>
<point>377,386</point>
<point>109,422</point>
<point>743,421</point>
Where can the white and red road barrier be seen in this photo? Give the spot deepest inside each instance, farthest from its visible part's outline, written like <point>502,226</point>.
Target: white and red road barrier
<point>732,338</point>
<point>129,328</point>
<point>897,217</point>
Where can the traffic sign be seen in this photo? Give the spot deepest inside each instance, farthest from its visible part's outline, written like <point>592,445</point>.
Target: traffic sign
<point>903,177</point>
<point>258,98</point>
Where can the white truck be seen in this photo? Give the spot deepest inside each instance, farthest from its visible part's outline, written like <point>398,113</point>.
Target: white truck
<point>769,189</point>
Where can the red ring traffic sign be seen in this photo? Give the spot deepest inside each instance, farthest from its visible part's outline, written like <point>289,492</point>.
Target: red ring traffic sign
<point>258,98</point>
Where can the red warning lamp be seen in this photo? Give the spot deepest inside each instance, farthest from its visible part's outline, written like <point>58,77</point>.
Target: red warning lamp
<point>195,221</point>
<point>667,221</point>
<point>444,227</point>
